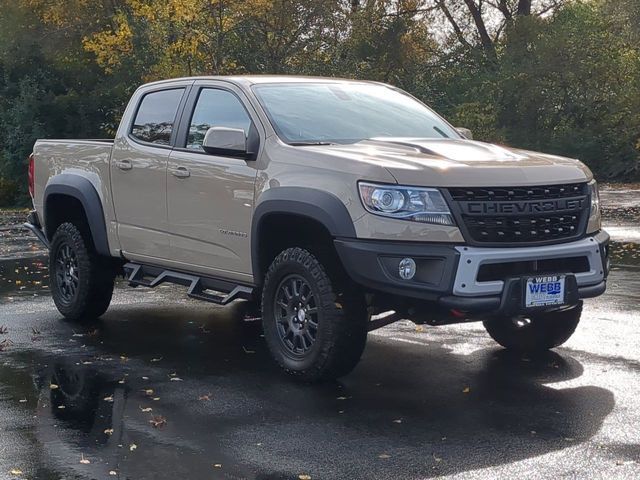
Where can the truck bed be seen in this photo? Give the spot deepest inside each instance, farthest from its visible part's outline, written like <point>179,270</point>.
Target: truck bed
<point>89,158</point>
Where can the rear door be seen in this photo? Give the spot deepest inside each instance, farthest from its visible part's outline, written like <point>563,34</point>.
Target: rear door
<point>139,172</point>
<point>210,197</point>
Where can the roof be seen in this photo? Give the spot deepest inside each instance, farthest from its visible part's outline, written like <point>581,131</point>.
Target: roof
<point>256,79</point>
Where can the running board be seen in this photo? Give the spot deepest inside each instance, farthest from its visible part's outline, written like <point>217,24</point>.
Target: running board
<point>199,287</point>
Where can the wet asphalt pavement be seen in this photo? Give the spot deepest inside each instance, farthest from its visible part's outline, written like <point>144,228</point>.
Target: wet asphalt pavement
<point>167,387</point>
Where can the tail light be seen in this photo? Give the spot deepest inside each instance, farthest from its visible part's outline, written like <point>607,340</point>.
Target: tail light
<point>32,177</point>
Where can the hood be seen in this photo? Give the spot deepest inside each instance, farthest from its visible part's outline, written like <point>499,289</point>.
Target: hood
<point>460,163</point>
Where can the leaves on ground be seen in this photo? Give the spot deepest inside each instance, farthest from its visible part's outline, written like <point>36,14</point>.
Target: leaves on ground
<point>466,390</point>
<point>84,460</point>
<point>205,398</point>
<point>108,431</point>
<point>145,409</point>
<point>132,447</point>
<point>15,471</point>
<point>108,399</point>
<point>158,421</point>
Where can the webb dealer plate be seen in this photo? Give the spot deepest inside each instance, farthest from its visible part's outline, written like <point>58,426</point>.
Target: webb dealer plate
<point>544,291</point>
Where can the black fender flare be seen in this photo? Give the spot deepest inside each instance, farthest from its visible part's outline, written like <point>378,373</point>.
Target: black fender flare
<point>81,189</point>
<point>321,206</point>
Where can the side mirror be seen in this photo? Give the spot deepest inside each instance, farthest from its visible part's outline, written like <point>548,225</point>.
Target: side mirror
<point>225,141</point>
<point>465,132</point>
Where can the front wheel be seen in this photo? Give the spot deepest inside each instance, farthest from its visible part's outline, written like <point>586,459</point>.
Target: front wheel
<point>313,330</point>
<point>534,333</point>
<point>81,281</point>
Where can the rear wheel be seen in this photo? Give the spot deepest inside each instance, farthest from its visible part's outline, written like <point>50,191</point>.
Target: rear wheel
<point>535,333</point>
<point>314,329</point>
<point>81,281</point>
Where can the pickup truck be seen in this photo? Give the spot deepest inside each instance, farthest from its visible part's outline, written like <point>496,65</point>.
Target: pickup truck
<point>334,206</point>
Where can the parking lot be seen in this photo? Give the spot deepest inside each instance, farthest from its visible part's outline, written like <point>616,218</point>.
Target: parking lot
<point>166,387</point>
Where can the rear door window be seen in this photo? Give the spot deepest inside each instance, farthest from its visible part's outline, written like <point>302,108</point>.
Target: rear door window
<point>156,116</point>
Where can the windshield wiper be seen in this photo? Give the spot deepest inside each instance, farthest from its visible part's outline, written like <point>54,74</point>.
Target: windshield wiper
<point>305,144</point>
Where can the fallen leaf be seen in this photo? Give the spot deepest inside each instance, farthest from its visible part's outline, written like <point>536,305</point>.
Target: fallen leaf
<point>175,379</point>
<point>206,397</point>
<point>217,465</point>
<point>113,473</point>
<point>132,447</point>
<point>109,431</point>
<point>155,399</point>
<point>158,421</point>
<point>397,420</point>
<point>53,386</point>
<point>15,471</point>
<point>148,391</point>
<point>304,477</point>
<point>108,399</point>
<point>156,359</point>
<point>145,378</point>
<point>121,382</point>
<point>23,400</point>
<point>84,460</point>
<point>61,407</point>
<point>384,455</point>
<point>419,328</point>
<point>466,390</point>
<point>147,409</point>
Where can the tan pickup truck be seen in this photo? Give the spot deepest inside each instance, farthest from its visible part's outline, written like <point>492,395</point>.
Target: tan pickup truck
<point>336,206</point>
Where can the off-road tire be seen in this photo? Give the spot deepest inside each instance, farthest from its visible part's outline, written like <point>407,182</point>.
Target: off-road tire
<point>341,319</point>
<point>542,332</point>
<point>95,276</point>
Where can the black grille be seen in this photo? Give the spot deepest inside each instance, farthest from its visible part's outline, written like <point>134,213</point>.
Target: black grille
<point>518,193</point>
<point>520,215</point>
<point>501,271</point>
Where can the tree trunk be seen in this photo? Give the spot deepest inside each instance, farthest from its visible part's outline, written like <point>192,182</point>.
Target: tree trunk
<point>524,7</point>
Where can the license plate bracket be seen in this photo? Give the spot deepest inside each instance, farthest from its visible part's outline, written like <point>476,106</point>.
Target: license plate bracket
<point>544,291</point>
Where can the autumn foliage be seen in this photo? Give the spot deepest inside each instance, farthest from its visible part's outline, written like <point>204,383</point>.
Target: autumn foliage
<point>559,76</point>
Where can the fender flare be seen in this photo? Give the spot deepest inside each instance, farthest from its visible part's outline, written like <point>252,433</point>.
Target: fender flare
<point>323,207</point>
<point>81,189</point>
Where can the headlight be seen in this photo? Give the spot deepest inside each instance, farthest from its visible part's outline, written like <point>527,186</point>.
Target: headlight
<point>595,197</point>
<point>425,205</point>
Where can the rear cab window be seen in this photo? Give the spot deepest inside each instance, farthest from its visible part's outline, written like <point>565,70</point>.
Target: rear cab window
<point>155,120</point>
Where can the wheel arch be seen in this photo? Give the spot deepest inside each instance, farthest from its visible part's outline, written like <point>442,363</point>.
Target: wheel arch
<point>313,209</point>
<point>68,188</point>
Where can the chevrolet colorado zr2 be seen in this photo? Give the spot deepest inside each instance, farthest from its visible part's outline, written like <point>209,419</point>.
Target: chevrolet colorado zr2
<point>335,206</point>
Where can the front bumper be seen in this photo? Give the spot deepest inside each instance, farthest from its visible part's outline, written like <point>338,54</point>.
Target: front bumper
<point>475,279</point>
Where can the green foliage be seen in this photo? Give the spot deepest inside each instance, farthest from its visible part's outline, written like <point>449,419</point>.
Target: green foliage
<point>566,82</point>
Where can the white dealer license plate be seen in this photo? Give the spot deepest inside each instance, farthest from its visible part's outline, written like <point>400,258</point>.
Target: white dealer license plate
<point>544,290</point>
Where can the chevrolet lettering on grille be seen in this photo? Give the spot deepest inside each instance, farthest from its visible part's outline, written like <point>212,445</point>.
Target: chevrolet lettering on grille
<point>559,205</point>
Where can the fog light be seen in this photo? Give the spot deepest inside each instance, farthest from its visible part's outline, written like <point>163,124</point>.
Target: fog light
<point>407,268</point>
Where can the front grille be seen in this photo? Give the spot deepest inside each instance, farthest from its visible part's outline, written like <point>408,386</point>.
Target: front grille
<point>521,215</point>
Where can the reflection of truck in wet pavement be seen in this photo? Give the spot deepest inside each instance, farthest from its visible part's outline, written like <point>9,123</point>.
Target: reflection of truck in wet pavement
<point>325,202</point>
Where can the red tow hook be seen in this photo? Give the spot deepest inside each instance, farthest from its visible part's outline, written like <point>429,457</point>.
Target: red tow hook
<point>457,313</point>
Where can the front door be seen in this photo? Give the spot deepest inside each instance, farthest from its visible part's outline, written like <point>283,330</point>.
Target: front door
<point>210,197</point>
<point>139,175</point>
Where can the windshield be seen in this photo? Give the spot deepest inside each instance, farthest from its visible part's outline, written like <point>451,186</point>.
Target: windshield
<point>312,113</point>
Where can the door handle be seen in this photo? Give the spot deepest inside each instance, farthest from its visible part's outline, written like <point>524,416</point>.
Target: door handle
<point>124,164</point>
<point>180,172</point>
